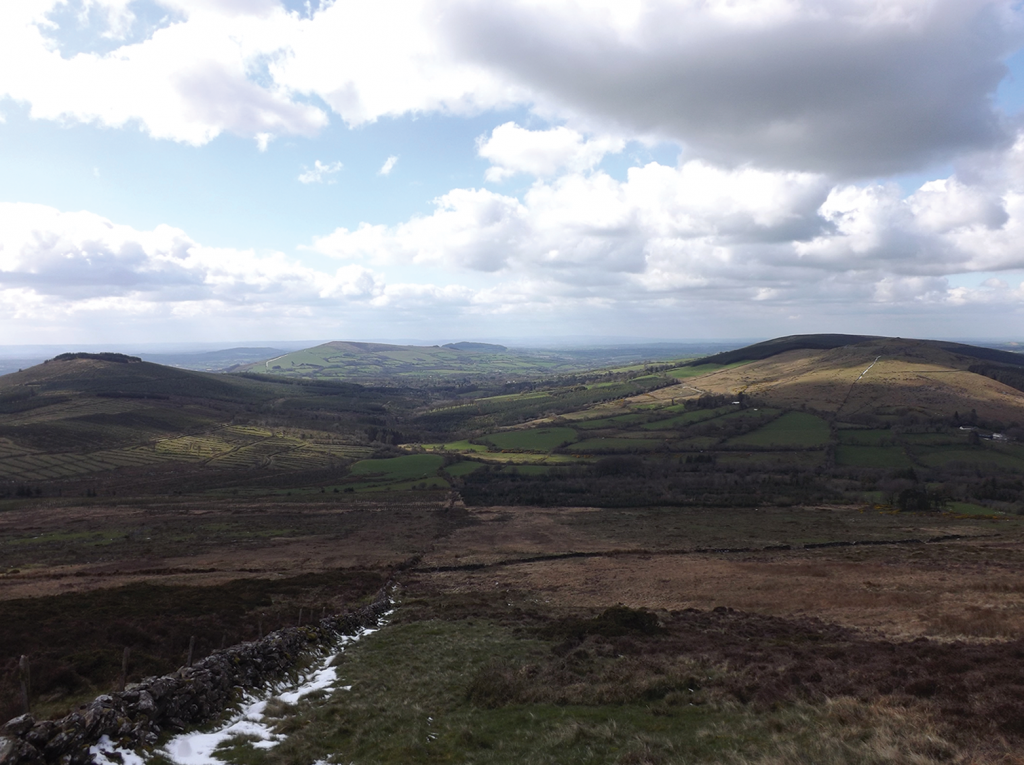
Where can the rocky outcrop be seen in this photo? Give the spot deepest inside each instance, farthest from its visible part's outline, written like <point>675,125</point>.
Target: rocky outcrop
<point>192,695</point>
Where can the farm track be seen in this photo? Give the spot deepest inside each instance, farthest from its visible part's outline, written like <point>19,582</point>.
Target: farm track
<point>849,390</point>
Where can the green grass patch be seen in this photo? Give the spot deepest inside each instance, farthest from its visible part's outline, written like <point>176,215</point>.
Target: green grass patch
<point>969,508</point>
<point>408,467</point>
<point>765,460</point>
<point>935,439</point>
<point>462,468</point>
<point>489,691</point>
<point>792,429</point>
<point>614,422</point>
<point>457,446</point>
<point>617,445</point>
<point>534,440</point>
<point>685,373</point>
<point>687,418</point>
<point>858,437</point>
<point>970,455</point>
<point>849,455</point>
<point>421,692</point>
<point>528,469</point>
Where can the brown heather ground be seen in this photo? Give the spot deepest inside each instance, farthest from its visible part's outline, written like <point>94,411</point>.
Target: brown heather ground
<point>971,587</point>
<point>827,633</point>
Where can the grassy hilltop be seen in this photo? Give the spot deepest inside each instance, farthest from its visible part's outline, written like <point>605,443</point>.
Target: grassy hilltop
<point>87,424</point>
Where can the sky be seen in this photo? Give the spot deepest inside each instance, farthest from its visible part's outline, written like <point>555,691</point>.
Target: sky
<point>436,170</point>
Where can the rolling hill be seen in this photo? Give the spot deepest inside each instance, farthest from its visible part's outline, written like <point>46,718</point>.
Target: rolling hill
<point>91,421</point>
<point>459,363</point>
<point>804,411</point>
<point>877,376</point>
<point>379,361</point>
<point>769,348</point>
<point>824,421</point>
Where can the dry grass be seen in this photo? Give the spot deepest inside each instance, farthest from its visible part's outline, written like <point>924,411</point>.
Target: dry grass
<point>902,590</point>
<point>933,381</point>
<point>51,548</point>
<point>893,595</point>
<point>847,730</point>
<point>978,622</point>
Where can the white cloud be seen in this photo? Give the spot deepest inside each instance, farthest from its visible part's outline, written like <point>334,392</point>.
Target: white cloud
<point>848,87</point>
<point>512,149</point>
<point>389,165</point>
<point>80,258</point>
<point>368,61</point>
<point>701,234</point>
<point>697,243</point>
<point>189,81</point>
<point>321,172</point>
<point>851,86</point>
<point>591,227</point>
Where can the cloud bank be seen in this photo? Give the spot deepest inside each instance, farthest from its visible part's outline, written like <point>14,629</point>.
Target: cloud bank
<point>849,87</point>
<point>790,117</point>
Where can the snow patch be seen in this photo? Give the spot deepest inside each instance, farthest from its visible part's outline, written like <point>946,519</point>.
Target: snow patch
<point>199,748</point>
<point>104,752</point>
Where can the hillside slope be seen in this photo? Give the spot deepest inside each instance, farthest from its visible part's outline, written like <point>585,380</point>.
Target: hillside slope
<point>375,362</point>
<point>462,363</point>
<point>878,376</point>
<point>108,421</point>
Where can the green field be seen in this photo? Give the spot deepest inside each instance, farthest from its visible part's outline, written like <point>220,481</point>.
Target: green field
<point>688,418</point>
<point>887,457</point>
<point>620,421</point>
<point>858,437</point>
<point>983,456</point>
<point>463,468</point>
<point>533,440</point>
<point>969,508</point>
<point>957,439</point>
<point>617,444</point>
<point>803,459</point>
<point>791,430</point>
<point>685,373</point>
<point>410,467</point>
<point>529,469</point>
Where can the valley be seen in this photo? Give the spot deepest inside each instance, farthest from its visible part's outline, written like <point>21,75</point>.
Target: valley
<point>685,559</point>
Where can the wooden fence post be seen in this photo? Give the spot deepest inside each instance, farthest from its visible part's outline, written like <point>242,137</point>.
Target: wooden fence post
<point>300,617</point>
<point>191,648</point>
<point>124,667</point>
<point>26,681</point>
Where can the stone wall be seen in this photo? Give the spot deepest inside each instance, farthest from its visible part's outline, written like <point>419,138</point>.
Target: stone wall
<point>192,695</point>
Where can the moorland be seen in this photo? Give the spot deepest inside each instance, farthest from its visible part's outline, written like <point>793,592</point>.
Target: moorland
<point>802,550</point>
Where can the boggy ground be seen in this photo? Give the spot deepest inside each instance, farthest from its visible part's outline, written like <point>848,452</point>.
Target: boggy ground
<point>968,583</point>
<point>911,639</point>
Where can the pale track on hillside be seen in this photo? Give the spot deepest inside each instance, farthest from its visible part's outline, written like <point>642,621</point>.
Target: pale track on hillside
<point>850,389</point>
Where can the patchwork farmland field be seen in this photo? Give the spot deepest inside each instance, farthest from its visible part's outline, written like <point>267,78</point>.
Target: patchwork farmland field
<point>532,440</point>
